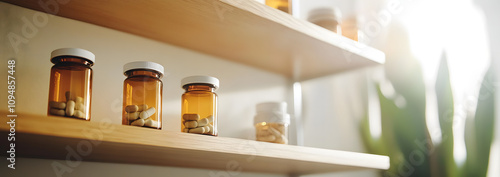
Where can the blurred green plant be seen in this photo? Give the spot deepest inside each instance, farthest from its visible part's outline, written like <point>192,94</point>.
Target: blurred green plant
<point>405,137</point>
<point>442,157</point>
<point>479,130</point>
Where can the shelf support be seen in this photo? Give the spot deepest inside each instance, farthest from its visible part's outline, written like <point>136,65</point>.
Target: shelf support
<point>297,113</point>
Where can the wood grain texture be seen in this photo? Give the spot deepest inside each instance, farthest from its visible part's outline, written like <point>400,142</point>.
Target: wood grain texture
<point>64,138</point>
<point>243,31</point>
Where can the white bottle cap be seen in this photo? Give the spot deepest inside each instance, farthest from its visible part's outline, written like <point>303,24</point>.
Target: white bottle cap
<point>75,52</point>
<point>272,112</point>
<point>330,13</point>
<point>200,80</point>
<point>143,65</point>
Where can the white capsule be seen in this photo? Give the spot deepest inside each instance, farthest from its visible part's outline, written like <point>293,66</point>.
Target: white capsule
<point>199,130</point>
<point>131,108</point>
<point>282,140</point>
<point>142,107</point>
<point>147,113</point>
<point>79,114</point>
<point>279,137</point>
<point>57,105</point>
<point>280,127</point>
<point>274,132</point>
<point>211,131</point>
<point>79,106</point>
<point>79,99</point>
<point>132,116</point>
<point>207,129</point>
<point>191,117</point>
<point>191,124</point>
<point>57,112</point>
<point>70,108</point>
<point>269,138</point>
<point>203,122</point>
<point>263,132</point>
<point>138,122</point>
<point>151,123</point>
<point>210,118</point>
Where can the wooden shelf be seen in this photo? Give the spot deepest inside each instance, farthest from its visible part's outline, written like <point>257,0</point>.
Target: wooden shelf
<point>243,31</point>
<point>51,137</point>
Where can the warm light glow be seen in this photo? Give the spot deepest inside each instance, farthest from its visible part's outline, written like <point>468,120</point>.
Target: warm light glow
<point>457,28</point>
<point>57,84</point>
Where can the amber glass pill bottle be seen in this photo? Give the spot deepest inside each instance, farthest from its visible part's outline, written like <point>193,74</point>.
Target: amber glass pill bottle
<point>70,87</point>
<point>199,105</point>
<point>283,5</point>
<point>328,18</point>
<point>142,94</point>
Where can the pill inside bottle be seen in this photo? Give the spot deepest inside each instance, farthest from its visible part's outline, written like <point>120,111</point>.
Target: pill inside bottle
<point>283,5</point>
<point>271,122</point>
<point>199,105</point>
<point>70,86</point>
<point>142,94</point>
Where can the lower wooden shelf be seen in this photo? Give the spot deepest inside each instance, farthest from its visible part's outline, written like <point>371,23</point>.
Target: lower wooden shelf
<point>61,138</point>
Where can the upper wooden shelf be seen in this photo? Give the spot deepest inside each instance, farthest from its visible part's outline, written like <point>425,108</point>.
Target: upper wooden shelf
<point>243,31</point>
<point>51,137</point>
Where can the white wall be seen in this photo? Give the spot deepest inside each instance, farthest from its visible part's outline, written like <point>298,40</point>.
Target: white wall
<point>333,105</point>
<point>333,109</point>
<point>238,93</point>
<point>242,87</point>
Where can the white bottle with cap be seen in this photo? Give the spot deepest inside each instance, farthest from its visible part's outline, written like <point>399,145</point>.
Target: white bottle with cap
<point>271,122</point>
<point>199,105</point>
<point>328,18</point>
<point>142,94</point>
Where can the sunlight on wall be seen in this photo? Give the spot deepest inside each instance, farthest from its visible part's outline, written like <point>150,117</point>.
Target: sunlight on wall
<point>458,29</point>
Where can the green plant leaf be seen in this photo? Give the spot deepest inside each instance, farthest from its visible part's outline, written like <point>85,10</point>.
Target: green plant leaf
<point>481,128</point>
<point>443,159</point>
<point>403,120</point>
